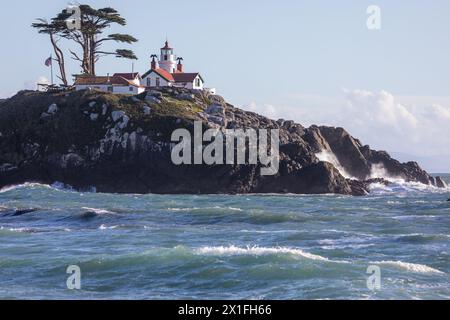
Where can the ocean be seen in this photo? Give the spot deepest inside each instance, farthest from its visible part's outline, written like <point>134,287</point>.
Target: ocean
<point>225,246</point>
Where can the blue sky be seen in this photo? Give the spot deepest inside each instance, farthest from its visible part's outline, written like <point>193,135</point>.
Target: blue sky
<point>310,61</point>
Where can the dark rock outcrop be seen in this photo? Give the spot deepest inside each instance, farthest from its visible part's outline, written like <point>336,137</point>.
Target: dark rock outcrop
<point>123,144</point>
<point>440,183</point>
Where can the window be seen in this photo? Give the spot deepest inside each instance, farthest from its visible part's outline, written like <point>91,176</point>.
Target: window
<point>165,57</point>
<point>157,82</point>
<point>130,88</point>
<point>149,82</point>
<point>198,82</point>
<point>110,89</point>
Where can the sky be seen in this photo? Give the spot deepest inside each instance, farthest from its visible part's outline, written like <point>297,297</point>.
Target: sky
<point>315,62</point>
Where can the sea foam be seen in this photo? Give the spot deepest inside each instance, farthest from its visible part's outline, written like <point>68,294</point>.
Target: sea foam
<point>412,267</point>
<point>258,251</point>
<point>22,186</point>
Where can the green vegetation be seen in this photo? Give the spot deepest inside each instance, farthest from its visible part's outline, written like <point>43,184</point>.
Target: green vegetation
<point>71,127</point>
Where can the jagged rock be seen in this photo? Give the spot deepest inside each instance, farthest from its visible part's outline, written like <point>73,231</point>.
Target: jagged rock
<point>71,160</point>
<point>132,153</point>
<point>152,99</point>
<point>146,109</point>
<point>217,99</point>
<point>216,109</point>
<point>104,109</point>
<point>124,123</point>
<point>346,149</point>
<point>377,180</point>
<point>440,183</point>
<point>217,120</point>
<point>116,115</point>
<point>94,116</point>
<point>186,96</point>
<point>433,181</point>
<point>156,93</point>
<point>52,109</point>
<point>7,167</point>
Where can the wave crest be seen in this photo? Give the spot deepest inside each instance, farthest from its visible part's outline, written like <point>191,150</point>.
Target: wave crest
<point>412,267</point>
<point>257,251</point>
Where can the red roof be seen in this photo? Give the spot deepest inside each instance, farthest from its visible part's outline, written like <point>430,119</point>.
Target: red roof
<point>161,72</point>
<point>128,76</point>
<point>184,77</point>
<point>174,77</point>
<point>166,46</point>
<point>103,80</point>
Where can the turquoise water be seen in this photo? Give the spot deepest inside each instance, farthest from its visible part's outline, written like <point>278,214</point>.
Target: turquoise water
<point>227,247</point>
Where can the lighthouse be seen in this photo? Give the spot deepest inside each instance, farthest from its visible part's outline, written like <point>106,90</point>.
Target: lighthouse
<point>168,71</point>
<point>167,59</point>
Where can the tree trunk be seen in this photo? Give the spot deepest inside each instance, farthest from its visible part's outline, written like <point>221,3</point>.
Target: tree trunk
<point>60,58</point>
<point>86,61</point>
<point>92,50</point>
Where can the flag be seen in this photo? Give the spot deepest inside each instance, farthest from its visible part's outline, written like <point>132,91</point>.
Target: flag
<point>48,62</point>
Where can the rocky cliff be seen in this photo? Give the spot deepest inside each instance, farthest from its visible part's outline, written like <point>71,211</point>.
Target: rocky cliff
<point>122,144</point>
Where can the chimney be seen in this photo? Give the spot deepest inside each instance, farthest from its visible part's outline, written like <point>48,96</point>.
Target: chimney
<point>153,63</point>
<point>179,65</point>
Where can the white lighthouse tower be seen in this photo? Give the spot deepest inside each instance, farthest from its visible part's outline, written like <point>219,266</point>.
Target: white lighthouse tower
<point>167,59</point>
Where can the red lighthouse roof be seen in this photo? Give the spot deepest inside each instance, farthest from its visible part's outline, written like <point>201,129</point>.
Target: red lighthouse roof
<point>166,46</point>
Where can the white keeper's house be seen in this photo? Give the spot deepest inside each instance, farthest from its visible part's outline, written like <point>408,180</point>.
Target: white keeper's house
<point>121,83</point>
<point>165,71</point>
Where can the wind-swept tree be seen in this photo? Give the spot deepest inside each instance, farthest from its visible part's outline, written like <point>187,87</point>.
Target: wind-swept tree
<point>90,36</point>
<point>51,30</point>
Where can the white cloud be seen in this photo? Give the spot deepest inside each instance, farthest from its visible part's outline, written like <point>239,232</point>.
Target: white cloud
<point>4,95</point>
<point>32,84</point>
<point>381,108</point>
<point>412,125</point>
<point>266,109</point>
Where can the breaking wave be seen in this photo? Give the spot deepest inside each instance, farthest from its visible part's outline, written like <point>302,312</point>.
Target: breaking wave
<point>258,251</point>
<point>205,209</point>
<point>398,183</point>
<point>30,185</point>
<point>58,186</point>
<point>329,156</point>
<point>412,267</point>
<point>105,227</point>
<point>403,186</point>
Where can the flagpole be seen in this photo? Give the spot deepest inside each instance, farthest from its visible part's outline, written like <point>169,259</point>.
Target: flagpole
<point>51,65</point>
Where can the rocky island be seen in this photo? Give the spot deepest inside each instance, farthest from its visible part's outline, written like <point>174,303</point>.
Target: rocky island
<point>122,144</point>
